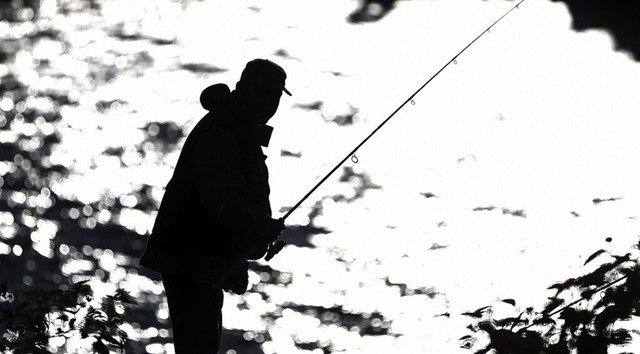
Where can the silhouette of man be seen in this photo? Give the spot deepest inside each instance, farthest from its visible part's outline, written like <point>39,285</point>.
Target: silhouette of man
<point>216,208</point>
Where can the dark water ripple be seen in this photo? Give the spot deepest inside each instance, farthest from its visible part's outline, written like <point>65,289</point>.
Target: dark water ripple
<point>28,135</point>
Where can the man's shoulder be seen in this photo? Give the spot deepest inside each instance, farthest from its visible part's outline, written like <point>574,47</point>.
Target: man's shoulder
<point>217,141</point>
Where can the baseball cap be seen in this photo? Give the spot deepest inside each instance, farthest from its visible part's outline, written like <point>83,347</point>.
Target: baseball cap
<point>265,72</point>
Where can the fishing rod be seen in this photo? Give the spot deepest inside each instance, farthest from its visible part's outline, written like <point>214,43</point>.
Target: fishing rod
<point>410,99</point>
<point>279,244</point>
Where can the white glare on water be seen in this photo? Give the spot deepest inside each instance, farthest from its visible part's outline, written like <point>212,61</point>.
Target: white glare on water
<point>470,192</point>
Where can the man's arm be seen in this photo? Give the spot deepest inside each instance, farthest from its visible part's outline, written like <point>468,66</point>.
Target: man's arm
<point>219,184</point>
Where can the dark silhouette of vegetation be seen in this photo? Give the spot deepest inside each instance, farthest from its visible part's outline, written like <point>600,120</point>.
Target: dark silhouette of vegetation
<point>621,19</point>
<point>29,322</point>
<point>26,316</point>
<point>603,299</point>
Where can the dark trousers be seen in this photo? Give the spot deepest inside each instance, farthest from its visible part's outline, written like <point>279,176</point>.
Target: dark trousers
<point>196,315</point>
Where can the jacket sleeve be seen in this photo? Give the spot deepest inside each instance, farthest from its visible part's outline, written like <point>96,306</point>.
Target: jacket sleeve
<point>220,183</point>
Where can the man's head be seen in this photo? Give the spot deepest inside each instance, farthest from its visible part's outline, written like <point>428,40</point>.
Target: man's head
<point>260,88</point>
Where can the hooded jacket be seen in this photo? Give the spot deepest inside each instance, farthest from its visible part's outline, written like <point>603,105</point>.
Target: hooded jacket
<point>217,200</point>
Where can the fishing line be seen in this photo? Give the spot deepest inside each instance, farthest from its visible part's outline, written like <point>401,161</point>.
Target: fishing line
<point>279,244</point>
<point>352,154</point>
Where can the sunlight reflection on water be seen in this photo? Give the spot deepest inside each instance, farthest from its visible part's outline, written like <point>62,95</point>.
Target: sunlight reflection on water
<point>442,214</point>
